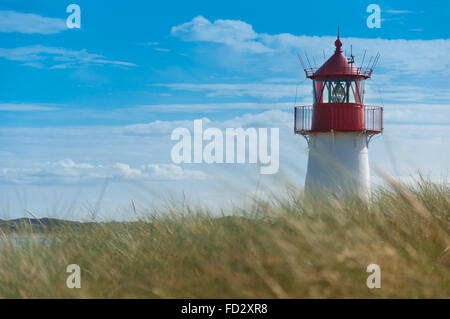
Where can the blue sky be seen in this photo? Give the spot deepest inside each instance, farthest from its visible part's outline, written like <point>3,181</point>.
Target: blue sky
<point>79,107</point>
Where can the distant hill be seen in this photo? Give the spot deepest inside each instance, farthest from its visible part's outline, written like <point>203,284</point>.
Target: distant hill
<point>42,225</point>
<point>36,225</point>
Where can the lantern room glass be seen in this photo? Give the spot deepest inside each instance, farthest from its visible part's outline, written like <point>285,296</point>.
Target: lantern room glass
<point>339,91</point>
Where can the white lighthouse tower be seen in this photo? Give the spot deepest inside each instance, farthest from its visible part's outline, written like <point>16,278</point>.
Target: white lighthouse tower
<point>338,126</point>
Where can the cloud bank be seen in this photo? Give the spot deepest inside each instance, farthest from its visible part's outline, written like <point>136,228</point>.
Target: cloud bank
<point>40,56</point>
<point>28,23</point>
<point>408,57</point>
<point>68,172</point>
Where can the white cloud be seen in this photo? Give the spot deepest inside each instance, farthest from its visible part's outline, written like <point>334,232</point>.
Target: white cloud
<point>392,11</point>
<point>11,21</point>
<point>151,43</point>
<point>162,50</point>
<point>212,107</point>
<point>155,127</point>
<point>40,56</point>
<point>124,170</point>
<point>24,107</point>
<point>69,172</point>
<point>260,90</point>
<point>235,33</point>
<point>417,113</point>
<point>413,94</point>
<point>61,172</point>
<point>269,118</point>
<point>69,163</point>
<point>172,172</point>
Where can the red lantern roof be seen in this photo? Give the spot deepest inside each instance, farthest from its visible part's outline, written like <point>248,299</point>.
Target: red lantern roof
<point>339,66</point>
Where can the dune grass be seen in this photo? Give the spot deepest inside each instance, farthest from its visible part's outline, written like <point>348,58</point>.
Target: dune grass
<point>300,246</point>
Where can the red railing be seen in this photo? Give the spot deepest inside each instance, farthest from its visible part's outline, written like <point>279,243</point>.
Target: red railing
<point>373,119</point>
<point>303,118</point>
<point>365,72</point>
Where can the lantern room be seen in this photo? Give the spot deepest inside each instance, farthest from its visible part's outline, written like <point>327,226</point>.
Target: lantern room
<point>338,91</point>
<point>338,97</point>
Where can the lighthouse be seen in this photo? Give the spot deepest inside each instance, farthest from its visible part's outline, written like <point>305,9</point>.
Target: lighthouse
<point>339,126</point>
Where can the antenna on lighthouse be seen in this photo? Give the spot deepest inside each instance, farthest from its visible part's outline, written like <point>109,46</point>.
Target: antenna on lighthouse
<point>301,61</point>
<point>364,56</point>
<point>377,57</point>
<point>370,60</point>
<point>351,59</point>
<point>306,55</point>
<point>315,65</point>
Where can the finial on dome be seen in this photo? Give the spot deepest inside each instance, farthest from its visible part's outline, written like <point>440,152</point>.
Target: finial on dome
<point>338,43</point>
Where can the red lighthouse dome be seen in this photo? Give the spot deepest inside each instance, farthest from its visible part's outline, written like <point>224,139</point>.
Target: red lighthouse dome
<point>338,66</point>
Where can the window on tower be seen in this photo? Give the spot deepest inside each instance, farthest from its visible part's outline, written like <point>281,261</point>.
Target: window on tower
<point>338,91</point>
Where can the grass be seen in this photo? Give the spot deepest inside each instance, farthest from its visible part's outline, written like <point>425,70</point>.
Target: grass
<point>300,246</point>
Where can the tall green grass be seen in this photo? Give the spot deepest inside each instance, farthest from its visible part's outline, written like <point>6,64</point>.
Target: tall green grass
<point>300,246</point>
